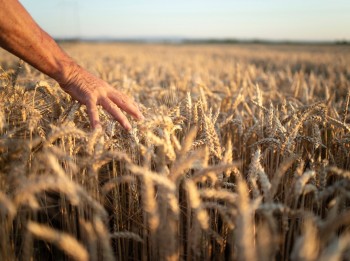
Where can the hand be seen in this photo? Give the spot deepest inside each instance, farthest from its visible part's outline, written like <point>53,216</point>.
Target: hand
<point>92,91</point>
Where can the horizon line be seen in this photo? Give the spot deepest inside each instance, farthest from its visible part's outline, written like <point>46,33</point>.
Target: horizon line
<point>184,40</point>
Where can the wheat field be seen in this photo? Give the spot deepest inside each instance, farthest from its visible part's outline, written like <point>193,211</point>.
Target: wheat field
<point>243,155</point>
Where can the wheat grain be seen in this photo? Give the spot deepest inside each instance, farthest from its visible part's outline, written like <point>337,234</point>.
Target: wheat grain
<point>6,206</point>
<point>62,240</point>
<point>244,224</point>
<point>302,180</point>
<point>127,235</point>
<point>256,171</point>
<point>307,246</point>
<point>336,248</point>
<point>195,202</point>
<point>104,239</point>
<point>58,132</point>
<point>217,194</point>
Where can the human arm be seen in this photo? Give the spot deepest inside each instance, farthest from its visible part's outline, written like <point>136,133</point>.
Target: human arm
<point>20,35</point>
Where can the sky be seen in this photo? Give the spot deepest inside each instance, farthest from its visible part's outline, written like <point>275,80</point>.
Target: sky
<point>300,20</point>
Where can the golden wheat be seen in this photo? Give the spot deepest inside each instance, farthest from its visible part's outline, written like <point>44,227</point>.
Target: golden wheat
<point>243,155</point>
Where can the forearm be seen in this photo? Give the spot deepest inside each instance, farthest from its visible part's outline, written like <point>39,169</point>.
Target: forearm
<point>20,35</point>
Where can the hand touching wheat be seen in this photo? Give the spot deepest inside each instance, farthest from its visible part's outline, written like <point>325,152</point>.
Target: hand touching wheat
<point>20,35</point>
<point>92,91</point>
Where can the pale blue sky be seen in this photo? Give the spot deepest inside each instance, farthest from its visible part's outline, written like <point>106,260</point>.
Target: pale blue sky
<point>242,19</point>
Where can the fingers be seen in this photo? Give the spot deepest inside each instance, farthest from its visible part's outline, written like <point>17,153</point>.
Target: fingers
<point>125,103</point>
<point>114,110</point>
<point>92,91</point>
<point>93,115</point>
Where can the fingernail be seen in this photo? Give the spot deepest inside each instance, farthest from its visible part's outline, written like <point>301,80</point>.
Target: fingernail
<point>141,117</point>
<point>127,127</point>
<point>98,126</point>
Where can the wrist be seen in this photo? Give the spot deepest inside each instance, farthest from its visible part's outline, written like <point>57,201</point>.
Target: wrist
<point>68,70</point>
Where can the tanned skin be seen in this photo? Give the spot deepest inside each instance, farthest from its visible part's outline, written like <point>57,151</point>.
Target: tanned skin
<point>20,35</point>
